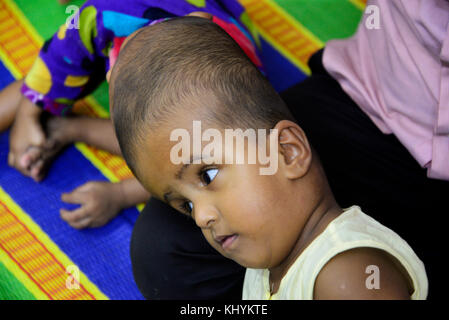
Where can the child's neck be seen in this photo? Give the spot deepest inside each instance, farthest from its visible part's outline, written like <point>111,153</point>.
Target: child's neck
<point>326,211</point>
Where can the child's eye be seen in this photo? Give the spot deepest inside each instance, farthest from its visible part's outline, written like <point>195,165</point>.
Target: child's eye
<point>187,206</point>
<point>209,175</point>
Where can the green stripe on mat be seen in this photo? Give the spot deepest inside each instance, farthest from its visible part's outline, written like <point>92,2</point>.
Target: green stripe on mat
<point>326,19</point>
<point>11,288</point>
<point>47,16</point>
<point>102,95</point>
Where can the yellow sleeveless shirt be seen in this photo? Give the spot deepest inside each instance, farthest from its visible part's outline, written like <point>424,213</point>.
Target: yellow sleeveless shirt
<point>351,229</point>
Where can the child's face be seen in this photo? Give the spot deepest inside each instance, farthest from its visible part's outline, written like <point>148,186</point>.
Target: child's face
<point>251,218</point>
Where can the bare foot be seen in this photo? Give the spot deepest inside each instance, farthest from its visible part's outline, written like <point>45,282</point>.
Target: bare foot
<point>33,161</point>
<point>38,159</point>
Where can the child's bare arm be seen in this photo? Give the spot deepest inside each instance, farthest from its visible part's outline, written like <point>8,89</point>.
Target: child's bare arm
<point>101,202</point>
<point>133,193</point>
<point>345,277</point>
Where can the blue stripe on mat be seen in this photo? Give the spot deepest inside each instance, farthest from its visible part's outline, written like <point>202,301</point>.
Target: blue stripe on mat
<point>5,76</point>
<point>279,70</point>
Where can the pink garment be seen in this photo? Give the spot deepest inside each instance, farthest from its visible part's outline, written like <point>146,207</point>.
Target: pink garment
<point>399,75</point>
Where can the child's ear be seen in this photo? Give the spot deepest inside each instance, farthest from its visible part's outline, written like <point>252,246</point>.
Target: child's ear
<point>294,148</point>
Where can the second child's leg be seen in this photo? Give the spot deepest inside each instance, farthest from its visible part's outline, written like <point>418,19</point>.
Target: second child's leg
<point>61,131</point>
<point>92,131</point>
<point>9,102</point>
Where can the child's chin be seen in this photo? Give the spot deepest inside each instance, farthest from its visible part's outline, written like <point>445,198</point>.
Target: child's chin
<point>245,262</point>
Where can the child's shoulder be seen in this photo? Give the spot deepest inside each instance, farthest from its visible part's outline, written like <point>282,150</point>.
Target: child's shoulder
<point>363,273</point>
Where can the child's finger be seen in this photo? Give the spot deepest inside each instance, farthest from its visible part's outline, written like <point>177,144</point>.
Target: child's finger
<point>87,187</point>
<point>74,215</point>
<point>74,197</point>
<point>80,223</point>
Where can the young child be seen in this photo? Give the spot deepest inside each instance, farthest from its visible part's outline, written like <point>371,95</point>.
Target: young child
<point>286,228</point>
<point>69,67</point>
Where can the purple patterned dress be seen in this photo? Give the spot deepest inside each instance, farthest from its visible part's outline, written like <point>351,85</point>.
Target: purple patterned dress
<point>75,60</point>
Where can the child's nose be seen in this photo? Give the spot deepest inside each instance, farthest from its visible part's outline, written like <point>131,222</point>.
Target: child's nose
<point>205,216</point>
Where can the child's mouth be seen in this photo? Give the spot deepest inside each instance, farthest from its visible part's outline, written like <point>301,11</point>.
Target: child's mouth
<point>226,241</point>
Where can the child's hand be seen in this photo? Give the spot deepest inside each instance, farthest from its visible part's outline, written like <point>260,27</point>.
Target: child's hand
<point>100,202</point>
<point>26,138</point>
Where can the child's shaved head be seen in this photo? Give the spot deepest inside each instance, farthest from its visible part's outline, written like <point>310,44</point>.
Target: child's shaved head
<point>187,59</point>
<point>174,73</point>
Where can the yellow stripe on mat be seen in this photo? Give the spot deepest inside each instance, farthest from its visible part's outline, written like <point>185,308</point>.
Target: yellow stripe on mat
<point>111,166</point>
<point>35,260</point>
<point>282,31</point>
<point>19,42</point>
